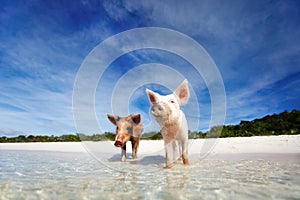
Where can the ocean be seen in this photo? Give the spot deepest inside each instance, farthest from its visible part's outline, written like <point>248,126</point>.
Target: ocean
<point>26,174</point>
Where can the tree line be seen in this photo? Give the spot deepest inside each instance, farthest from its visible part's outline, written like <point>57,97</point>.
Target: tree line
<point>285,123</point>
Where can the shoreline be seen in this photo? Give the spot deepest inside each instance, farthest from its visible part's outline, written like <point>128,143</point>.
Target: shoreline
<point>283,144</point>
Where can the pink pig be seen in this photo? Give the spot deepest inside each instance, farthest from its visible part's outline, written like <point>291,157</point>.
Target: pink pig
<point>174,127</point>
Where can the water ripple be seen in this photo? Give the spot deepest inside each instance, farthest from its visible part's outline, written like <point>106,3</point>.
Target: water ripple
<point>44,175</point>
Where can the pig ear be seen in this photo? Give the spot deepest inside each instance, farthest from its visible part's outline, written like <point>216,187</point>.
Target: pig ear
<point>113,118</point>
<point>152,96</point>
<point>136,118</point>
<point>182,92</point>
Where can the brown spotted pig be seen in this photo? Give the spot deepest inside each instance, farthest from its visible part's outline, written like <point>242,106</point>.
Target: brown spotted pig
<point>128,129</point>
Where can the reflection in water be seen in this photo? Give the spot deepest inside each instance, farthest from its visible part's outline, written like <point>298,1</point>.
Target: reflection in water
<point>50,175</point>
<point>178,178</point>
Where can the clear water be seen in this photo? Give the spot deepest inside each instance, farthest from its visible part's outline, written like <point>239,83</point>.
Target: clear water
<point>56,175</point>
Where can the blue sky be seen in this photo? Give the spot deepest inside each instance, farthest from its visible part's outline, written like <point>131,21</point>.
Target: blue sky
<point>254,44</point>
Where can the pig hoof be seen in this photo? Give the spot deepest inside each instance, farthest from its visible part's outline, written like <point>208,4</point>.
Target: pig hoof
<point>168,166</point>
<point>186,162</point>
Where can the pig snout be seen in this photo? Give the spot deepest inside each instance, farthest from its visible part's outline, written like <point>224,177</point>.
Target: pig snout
<point>157,110</point>
<point>119,142</point>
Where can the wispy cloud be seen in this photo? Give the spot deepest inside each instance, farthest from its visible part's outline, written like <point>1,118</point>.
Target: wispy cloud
<point>10,132</point>
<point>234,35</point>
<point>44,43</point>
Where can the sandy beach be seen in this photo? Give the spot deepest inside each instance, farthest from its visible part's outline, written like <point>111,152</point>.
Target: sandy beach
<point>264,167</point>
<point>239,145</point>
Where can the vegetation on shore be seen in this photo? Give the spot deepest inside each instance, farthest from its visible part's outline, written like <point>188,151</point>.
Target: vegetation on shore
<point>285,123</point>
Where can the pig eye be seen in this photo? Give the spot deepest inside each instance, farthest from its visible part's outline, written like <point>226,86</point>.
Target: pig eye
<point>172,101</point>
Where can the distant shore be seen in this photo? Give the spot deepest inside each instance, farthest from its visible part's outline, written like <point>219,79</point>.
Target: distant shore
<point>282,144</point>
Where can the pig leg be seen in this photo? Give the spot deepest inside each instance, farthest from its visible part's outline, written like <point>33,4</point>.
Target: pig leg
<point>174,151</point>
<point>135,144</point>
<point>170,154</point>
<point>178,150</point>
<point>185,152</point>
<point>124,153</point>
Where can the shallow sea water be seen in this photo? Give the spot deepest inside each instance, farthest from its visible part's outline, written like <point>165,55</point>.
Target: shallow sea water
<point>57,175</point>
